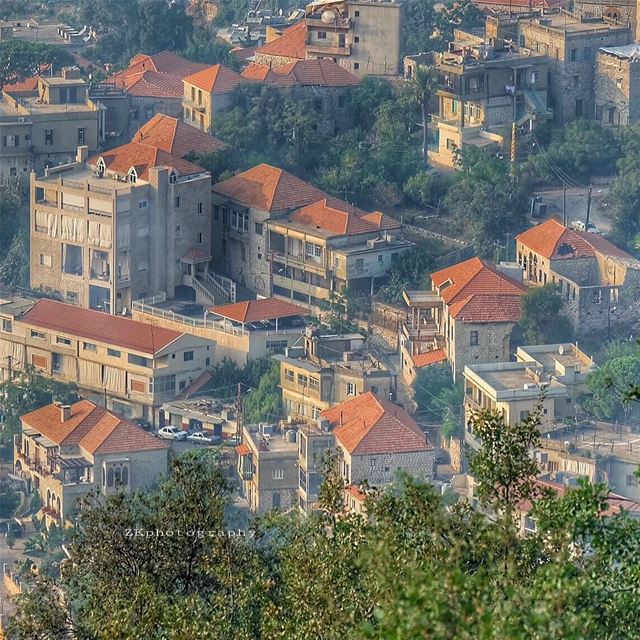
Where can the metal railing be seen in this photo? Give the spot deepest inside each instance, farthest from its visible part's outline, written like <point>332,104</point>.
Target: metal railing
<point>226,285</point>
<point>73,184</point>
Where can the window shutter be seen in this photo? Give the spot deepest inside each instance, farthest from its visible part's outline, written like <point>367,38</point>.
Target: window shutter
<point>17,141</point>
<point>39,362</point>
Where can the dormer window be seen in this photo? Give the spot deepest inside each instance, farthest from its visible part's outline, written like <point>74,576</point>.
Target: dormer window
<point>101,166</point>
<point>132,176</point>
<point>173,177</point>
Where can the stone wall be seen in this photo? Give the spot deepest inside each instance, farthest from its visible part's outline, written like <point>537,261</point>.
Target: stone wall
<point>617,90</point>
<point>379,470</point>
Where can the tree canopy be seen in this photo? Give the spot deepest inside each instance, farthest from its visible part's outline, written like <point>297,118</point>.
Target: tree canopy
<point>20,59</point>
<point>542,320</point>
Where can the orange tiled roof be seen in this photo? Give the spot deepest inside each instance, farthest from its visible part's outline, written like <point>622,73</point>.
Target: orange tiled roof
<point>430,357</point>
<point>102,327</point>
<point>143,157</point>
<point>340,218</point>
<point>257,310</point>
<point>545,239</point>
<point>354,491</point>
<point>215,79</point>
<point>367,425</point>
<point>259,73</point>
<point>152,84</point>
<point>94,428</point>
<point>323,73</point>
<point>242,54</point>
<point>176,137</point>
<point>473,276</point>
<point>269,188</point>
<point>291,44</point>
<point>28,85</point>
<point>481,308</point>
<point>243,449</point>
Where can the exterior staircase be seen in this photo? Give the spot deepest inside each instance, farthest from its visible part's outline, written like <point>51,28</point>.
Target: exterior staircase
<point>213,289</point>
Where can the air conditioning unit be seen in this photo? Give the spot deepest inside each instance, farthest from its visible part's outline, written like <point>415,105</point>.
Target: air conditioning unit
<point>530,386</point>
<point>21,119</point>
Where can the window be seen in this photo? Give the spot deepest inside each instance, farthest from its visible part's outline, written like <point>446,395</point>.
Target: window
<point>258,228</point>
<point>143,204</point>
<point>207,362</point>
<point>140,361</point>
<point>133,176</point>
<point>45,261</point>
<point>137,386</point>
<point>178,231</point>
<point>612,115</point>
<point>350,389</point>
<point>473,339</point>
<point>277,474</point>
<point>48,137</point>
<point>240,220</point>
<point>356,14</point>
<point>356,66</point>
<point>200,208</point>
<point>177,202</point>
<point>216,212</point>
<point>7,325</point>
<point>288,374</point>
<point>81,136</point>
<point>356,39</point>
<point>277,346</point>
<point>65,341</point>
<point>182,385</point>
<point>586,54</point>
<point>37,335</point>
<point>322,35</point>
<point>243,254</point>
<point>173,177</point>
<point>576,80</point>
<point>110,476</point>
<point>200,238</point>
<point>535,75</point>
<point>359,264</point>
<point>114,353</point>
<point>303,380</point>
<point>88,346</point>
<point>573,55</point>
<point>188,356</point>
<point>314,384</point>
<point>39,362</point>
<point>380,258</point>
<point>11,141</point>
<point>165,384</point>
<point>632,480</point>
<point>142,266</point>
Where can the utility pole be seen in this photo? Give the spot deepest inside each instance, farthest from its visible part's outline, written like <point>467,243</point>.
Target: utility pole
<point>239,414</point>
<point>513,148</point>
<point>588,206</point>
<point>564,203</point>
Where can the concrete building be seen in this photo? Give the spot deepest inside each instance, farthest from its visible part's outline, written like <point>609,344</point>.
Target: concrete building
<point>121,226</point>
<point>571,43</point>
<point>67,452</point>
<point>483,88</point>
<point>363,36</point>
<point>44,119</point>
<point>599,283</point>
<point>326,247</point>
<point>324,86</point>
<point>34,30</point>
<point>618,85</point>
<point>624,12</point>
<point>151,84</point>
<point>471,313</point>
<point>206,93</point>
<point>552,376</point>
<point>125,365</point>
<point>241,331</point>
<point>327,370</point>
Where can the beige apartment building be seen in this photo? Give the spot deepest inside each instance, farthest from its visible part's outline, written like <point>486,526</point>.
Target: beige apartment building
<point>124,225</point>
<point>127,366</point>
<point>66,452</point>
<point>328,370</point>
<point>552,376</point>
<point>206,93</point>
<point>44,119</point>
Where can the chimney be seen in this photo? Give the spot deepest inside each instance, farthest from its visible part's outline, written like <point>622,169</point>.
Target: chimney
<point>65,412</point>
<point>82,154</point>
<point>71,73</point>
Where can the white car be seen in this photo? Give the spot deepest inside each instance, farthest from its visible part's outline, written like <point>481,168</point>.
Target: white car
<point>579,225</point>
<point>201,437</point>
<point>172,433</point>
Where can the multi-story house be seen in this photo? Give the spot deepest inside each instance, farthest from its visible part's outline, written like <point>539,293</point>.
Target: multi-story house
<point>618,85</point>
<point>570,42</point>
<point>328,370</point>
<point>126,224</point>
<point>470,313</point>
<point>67,452</point>
<point>127,366</point>
<point>363,36</point>
<point>551,376</point>
<point>327,246</point>
<point>599,283</point>
<point>44,119</point>
<point>206,93</point>
<point>322,84</point>
<point>151,84</point>
<point>482,89</point>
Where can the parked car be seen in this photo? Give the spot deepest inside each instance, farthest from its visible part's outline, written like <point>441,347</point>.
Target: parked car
<point>579,225</point>
<point>172,433</point>
<point>190,309</point>
<point>200,437</point>
<point>13,525</point>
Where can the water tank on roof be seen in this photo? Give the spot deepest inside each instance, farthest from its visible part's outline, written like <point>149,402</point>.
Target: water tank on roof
<point>328,17</point>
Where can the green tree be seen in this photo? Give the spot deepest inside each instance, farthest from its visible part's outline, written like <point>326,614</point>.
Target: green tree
<point>409,271</point>
<point>9,501</point>
<point>10,203</point>
<point>264,403</point>
<point>437,396</point>
<point>420,88</point>
<point>542,320</point>
<point>427,190</point>
<point>203,47</point>
<point>13,266</point>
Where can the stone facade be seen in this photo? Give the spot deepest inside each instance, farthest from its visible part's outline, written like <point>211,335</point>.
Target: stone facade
<point>617,88</point>
<point>624,12</point>
<point>383,469</point>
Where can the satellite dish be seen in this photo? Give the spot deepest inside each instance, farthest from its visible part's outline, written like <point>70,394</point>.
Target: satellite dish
<point>561,349</point>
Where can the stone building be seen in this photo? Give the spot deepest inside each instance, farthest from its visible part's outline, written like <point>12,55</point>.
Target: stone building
<point>599,283</point>
<point>470,313</point>
<point>44,119</point>
<point>207,92</point>
<point>66,452</point>
<point>363,36</point>
<point>618,85</point>
<point>128,366</point>
<point>624,12</point>
<point>571,43</point>
<point>127,224</point>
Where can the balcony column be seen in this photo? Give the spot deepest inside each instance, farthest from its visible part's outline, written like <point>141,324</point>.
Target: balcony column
<point>276,324</point>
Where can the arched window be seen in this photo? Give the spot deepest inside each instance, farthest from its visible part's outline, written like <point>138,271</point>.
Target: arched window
<point>104,477</point>
<point>110,478</point>
<point>117,472</point>
<point>133,176</point>
<point>173,177</point>
<point>48,497</point>
<point>125,476</point>
<point>101,165</point>
<point>58,509</point>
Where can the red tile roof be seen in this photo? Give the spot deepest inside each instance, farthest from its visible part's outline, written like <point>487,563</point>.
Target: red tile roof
<point>356,493</point>
<point>28,85</point>
<point>546,238</point>
<point>340,218</point>
<point>215,79</point>
<point>102,327</point>
<point>367,425</point>
<point>291,44</point>
<point>242,54</point>
<point>323,73</point>
<point>259,73</point>
<point>176,137</point>
<point>430,357</point>
<point>168,62</point>
<point>143,157</point>
<point>485,308</point>
<point>257,310</point>
<point>525,4</point>
<point>243,449</point>
<point>269,189</point>
<point>94,428</point>
<point>197,254</point>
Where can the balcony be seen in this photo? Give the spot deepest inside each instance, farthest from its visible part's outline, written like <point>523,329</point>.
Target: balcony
<point>421,333</point>
<point>194,104</point>
<point>328,49</point>
<point>313,264</point>
<point>339,22</point>
<point>301,287</point>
